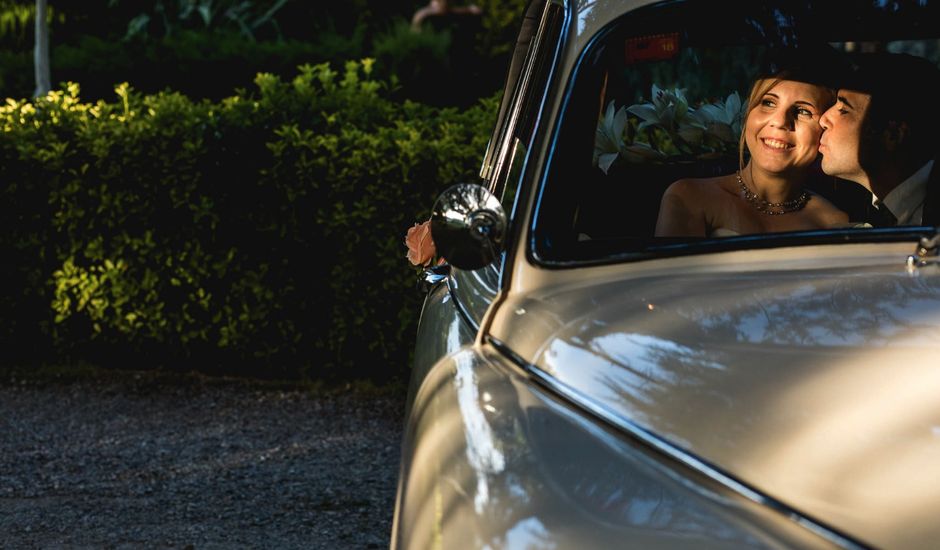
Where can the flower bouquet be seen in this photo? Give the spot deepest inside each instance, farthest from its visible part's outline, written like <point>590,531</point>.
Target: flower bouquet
<point>667,127</point>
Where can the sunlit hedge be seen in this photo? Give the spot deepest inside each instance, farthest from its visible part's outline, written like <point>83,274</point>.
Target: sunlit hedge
<point>260,234</point>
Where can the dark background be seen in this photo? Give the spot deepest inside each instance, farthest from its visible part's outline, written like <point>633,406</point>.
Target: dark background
<point>455,60</point>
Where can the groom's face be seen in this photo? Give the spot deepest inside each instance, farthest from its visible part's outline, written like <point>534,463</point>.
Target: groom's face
<point>841,138</point>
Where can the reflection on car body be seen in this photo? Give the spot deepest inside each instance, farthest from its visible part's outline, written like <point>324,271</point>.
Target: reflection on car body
<point>597,386</point>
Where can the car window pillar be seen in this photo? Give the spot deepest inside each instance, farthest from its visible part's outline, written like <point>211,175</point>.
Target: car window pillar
<point>511,142</point>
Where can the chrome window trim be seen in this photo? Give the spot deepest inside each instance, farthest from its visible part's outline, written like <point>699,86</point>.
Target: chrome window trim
<point>505,146</point>
<point>670,451</point>
<point>524,191</point>
<point>756,241</point>
<point>508,98</point>
<point>510,91</point>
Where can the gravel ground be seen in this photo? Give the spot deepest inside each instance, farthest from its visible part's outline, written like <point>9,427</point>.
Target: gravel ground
<point>145,464</point>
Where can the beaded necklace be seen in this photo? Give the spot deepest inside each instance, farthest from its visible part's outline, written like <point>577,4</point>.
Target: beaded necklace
<point>771,208</point>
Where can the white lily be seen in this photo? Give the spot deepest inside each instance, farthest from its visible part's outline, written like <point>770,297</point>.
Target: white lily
<point>610,136</point>
<point>673,128</point>
<point>666,109</point>
<point>723,121</point>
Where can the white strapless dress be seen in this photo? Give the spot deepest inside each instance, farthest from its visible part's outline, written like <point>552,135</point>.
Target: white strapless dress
<point>723,232</point>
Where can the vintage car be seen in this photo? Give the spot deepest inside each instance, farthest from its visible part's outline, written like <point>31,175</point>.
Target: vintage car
<point>579,382</point>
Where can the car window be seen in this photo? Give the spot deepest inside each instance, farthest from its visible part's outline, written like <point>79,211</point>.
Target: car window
<point>525,89</point>
<point>661,96</point>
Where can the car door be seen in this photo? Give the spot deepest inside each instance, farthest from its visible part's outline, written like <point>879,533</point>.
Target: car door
<point>458,299</point>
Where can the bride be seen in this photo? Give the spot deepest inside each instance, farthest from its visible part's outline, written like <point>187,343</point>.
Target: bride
<point>781,132</point>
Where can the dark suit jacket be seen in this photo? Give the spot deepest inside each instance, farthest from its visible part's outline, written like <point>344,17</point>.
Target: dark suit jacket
<point>932,201</point>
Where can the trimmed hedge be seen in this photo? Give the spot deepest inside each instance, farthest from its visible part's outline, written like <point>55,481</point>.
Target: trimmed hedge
<point>198,64</point>
<point>261,234</point>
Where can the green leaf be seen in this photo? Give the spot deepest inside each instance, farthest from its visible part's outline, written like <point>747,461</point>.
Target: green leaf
<point>137,25</point>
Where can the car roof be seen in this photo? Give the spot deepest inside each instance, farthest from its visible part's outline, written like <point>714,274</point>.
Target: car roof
<point>590,16</point>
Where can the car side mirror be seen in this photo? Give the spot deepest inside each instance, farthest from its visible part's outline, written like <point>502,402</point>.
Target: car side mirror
<point>468,226</point>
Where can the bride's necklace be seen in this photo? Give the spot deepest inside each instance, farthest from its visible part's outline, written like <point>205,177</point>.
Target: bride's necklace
<point>771,208</point>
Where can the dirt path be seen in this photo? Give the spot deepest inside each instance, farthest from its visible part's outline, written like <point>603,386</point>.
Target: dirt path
<point>144,464</point>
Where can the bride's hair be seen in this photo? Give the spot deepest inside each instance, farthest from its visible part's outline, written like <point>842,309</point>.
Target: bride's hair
<point>763,85</point>
<point>821,65</point>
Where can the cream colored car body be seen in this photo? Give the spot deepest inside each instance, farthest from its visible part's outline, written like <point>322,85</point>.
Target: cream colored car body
<point>778,397</point>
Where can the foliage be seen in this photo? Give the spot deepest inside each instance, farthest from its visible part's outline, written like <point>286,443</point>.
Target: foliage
<point>261,232</point>
<point>204,65</point>
<point>16,19</point>
<point>417,61</point>
<point>16,22</point>
<point>205,48</point>
<point>244,15</point>
<point>501,22</point>
<point>454,59</point>
<point>667,127</point>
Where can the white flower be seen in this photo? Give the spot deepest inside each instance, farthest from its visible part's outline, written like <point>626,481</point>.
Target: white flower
<point>672,128</point>
<point>609,137</point>
<point>667,109</point>
<point>640,152</point>
<point>723,121</point>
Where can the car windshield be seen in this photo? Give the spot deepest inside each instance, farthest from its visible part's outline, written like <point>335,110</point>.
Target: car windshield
<point>648,155</point>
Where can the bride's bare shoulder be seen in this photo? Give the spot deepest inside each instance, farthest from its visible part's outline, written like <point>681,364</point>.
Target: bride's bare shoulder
<point>692,188</point>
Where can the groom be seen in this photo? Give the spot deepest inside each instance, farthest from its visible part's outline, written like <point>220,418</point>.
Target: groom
<point>883,133</point>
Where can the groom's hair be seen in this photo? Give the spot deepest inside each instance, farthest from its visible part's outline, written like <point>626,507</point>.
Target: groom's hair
<point>904,89</point>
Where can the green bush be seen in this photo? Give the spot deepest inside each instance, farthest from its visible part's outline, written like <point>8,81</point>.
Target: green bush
<point>500,26</point>
<point>168,16</point>
<point>258,234</point>
<point>17,21</point>
<point>196,63</point>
